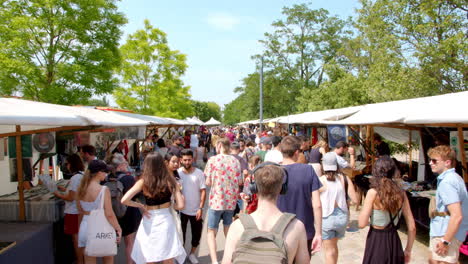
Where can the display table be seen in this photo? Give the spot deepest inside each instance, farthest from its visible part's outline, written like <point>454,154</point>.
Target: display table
<point>40,205</point>
<point>419,203</point>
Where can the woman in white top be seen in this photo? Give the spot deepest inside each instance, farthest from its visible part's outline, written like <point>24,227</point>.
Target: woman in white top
<point>200,156</point>
<point>75,165</point>
<point>334,207</point>
<point>89,198</point>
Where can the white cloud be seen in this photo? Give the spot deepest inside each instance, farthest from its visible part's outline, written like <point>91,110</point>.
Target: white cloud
<point>223,21</point>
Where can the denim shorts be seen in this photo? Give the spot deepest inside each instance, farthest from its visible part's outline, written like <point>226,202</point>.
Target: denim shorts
<point>334,225</point>
<point>215,216</point>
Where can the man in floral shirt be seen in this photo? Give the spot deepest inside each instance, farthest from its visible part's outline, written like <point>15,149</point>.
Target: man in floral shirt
<point>224,175</point>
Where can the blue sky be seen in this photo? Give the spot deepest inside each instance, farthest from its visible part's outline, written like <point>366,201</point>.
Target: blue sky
<point>218,37</point>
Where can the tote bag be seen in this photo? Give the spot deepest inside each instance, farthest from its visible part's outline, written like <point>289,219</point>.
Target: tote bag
<point>101,237</point>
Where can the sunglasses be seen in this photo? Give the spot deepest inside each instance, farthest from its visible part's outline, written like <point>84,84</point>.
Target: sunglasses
<point>434,161</point>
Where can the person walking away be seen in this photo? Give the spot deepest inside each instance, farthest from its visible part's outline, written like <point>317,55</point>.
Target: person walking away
<point>316,154</point>
<point>156,238</point>
<point>132,217</point>
<point>449,220</point>
<point>194,142</point>
<point>250,199</point>
<point>224,175</point>
<point>202,156</point>
<point>267,221</point>
<point>384,204</point>
<point>303,197</point>
<point>275,154</point>
<point>162,149</point>
<point>75,166</point>
<point>333,195</point>
<point>89,198</point>
<point>235,150</point>
<point>265,146</point>
<point>194,191</point>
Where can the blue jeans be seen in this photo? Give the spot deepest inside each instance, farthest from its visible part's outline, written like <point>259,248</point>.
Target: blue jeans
<point>214,217</point>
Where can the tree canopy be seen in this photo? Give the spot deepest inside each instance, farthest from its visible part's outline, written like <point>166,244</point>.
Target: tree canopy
<point>391,50</point>
<point>59,51</point>
<point>206,110</point>
<point>151,76</point>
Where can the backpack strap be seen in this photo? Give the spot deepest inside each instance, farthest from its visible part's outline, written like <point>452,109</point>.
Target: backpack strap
<point>248,222</point>
<point>282,224</point>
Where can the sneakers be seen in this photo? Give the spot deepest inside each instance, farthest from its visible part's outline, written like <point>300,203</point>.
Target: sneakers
<point>193,258</point>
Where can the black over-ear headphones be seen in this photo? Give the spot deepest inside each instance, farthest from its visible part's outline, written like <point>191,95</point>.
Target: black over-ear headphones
<point>284,187</point>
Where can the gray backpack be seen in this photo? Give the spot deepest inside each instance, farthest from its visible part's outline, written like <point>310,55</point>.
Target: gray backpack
<point>116,189</point>
<point>256,246</point>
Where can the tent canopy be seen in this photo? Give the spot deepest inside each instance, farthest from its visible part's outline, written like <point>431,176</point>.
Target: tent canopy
<point>440,109</point>
<point>212,122</point>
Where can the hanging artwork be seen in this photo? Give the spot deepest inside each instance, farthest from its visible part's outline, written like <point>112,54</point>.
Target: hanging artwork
<point>43,142</point>
<point>336,133</point>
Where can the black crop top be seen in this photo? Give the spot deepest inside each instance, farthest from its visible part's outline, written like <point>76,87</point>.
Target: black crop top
<point>162,199</point>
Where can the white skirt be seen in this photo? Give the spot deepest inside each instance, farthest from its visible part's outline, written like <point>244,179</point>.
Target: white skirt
<point>157,239</point>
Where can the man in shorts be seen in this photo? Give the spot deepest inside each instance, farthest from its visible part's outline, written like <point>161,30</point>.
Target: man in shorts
<point>449,221</point>
<point>224,175</point>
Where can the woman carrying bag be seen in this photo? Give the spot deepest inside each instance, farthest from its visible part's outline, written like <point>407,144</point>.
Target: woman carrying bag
<point>99,225</point>
<point>156,238</point>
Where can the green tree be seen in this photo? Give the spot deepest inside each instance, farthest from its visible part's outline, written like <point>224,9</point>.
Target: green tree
<point>98,102</point>
<point>206,110</point>
<point>151,76</point>
<point>59,51</point>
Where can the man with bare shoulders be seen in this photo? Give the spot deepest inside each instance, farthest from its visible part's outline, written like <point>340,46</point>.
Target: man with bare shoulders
<point>269,181</point>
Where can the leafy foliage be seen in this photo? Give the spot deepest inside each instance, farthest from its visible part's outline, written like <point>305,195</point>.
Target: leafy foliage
<point>151,76</point>
<point>392,50</point>
<point>59,51</point>
<point>206,110</point>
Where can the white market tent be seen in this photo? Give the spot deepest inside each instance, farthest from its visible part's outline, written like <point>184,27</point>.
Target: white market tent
<point>194,121</point>
<point>33,116</point>
<point>447,110</point>
<point>319,116</point>
<point>212,122</point>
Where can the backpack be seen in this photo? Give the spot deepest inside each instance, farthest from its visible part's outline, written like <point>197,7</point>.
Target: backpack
<point>116,191</point>
<point>256,246</point>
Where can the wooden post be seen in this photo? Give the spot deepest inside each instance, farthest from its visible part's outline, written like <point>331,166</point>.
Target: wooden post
<point>371,136</point>
<point>461,146</point>
<point>368,156</point>
<point>410,145</point>
<point>19,171</point>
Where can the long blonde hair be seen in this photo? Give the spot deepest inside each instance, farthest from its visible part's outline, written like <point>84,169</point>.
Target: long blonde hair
<point>87,177</point>
<point>321,144</point>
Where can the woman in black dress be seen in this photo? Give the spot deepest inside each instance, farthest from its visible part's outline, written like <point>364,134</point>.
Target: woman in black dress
<point>385,203</point>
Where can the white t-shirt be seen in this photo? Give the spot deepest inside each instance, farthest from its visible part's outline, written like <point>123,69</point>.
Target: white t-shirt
<point>191,186</point>
<point>194,141</point>
<point>70,206</point>
<point>274,156</point>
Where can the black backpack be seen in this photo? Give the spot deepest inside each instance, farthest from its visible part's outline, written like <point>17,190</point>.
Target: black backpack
<point>116,191</point>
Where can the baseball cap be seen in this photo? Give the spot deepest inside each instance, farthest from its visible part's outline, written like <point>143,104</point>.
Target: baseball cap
<point>97,166</point>
<point>265,140</point>
<point>329,162</point>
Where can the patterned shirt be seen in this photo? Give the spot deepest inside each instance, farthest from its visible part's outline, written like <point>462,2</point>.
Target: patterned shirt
<point>224,171</point>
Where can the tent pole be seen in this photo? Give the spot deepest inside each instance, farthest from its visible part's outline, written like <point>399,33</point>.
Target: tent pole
<point>410,162</point>
<point>461,146</point>
<point>372,144</point>
<point>19,171</point>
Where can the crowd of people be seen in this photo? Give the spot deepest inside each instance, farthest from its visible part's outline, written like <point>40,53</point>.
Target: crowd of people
<point>279,200</point>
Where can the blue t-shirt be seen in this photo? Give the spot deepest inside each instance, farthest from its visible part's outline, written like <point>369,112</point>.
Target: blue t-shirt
<point>298,199</point>
<point>450,189</point>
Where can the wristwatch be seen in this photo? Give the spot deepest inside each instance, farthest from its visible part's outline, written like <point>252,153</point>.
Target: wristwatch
<point>447,243</point>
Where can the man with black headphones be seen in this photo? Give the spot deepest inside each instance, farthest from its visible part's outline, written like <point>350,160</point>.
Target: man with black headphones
<point>271,180</point>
